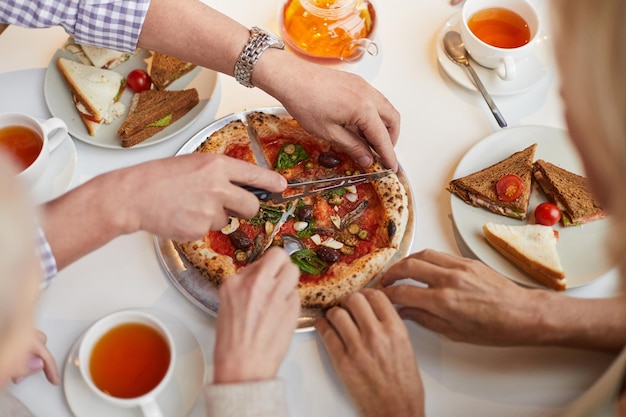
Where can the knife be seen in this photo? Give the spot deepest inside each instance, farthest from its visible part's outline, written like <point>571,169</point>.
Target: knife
<point>315,187</point>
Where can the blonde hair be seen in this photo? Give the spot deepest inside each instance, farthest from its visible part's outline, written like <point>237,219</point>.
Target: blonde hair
<point>590,38</point>
<point>17,239</point>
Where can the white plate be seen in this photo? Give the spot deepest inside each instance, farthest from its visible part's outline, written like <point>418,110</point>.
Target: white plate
<point>582,249</point>
<point>179,397</point>
<point>530,70</point>
<point>60,103</point>
<point>59,173</point>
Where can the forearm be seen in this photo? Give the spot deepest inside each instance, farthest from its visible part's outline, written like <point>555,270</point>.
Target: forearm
<point>192,31</point>
<point>595,324</point>
<point>82,220</point>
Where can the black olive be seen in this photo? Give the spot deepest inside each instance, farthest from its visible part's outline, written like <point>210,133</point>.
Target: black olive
<point>240,240</point>
<point>327,254</point>
<point>305,213</point>
<point>391,229</point>
<point>329,160</point>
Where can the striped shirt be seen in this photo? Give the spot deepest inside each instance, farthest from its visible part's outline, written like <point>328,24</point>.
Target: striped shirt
<point>114,24</point>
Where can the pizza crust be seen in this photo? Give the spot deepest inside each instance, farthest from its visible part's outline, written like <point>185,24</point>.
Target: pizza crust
<point>326,293</point>
<point>234,133</point>
<point>215,267</point>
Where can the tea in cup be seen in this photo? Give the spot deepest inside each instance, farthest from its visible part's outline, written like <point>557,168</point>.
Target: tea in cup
<point>29,142</point>
<point>127,358</point>
<point>497,33</point>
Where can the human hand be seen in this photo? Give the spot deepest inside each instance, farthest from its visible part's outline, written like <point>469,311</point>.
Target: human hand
<point>465,301</point>
<point>338,106</point>
<point>185,196</point>
<point>370,350</point>
<point>39,357</point>
<point>259,309</point>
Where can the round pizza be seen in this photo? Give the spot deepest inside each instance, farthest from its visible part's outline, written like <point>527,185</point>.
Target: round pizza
<point>341,239</point>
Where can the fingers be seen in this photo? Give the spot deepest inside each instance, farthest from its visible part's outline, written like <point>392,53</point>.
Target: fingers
<point>428,266</point>
<point>249,174</point>
<point>382,139</point>
<point>332,342</point>
<point>344,325</point>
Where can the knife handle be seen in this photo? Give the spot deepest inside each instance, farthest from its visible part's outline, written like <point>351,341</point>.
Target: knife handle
<point>259,193</point>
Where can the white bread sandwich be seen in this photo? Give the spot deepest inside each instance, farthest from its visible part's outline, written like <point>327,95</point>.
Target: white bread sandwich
<point>103,57</point>
<point>530,247</point>
<point>95,92</point>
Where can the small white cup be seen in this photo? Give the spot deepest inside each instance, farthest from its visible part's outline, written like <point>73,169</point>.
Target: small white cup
<point>148,401</point>
<point>502,60</point>
<point>52,133</point>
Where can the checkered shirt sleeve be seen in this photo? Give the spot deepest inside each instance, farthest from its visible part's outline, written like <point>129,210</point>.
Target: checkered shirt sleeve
<point>114,24</point>
<point>46,257</point>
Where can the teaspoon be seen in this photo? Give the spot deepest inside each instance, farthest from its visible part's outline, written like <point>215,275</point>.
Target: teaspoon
<point>453,45</point>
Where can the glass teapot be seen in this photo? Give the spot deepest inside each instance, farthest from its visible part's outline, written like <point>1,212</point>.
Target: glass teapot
<point>329,29</point>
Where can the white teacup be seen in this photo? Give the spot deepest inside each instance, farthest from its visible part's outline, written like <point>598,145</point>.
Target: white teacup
<point>111,353</point>
<point>502,57</point>
<point>18,128</point>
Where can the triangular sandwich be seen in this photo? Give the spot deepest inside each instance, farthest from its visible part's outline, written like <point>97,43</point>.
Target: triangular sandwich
<point>530,247</point>
<point>152,111</point>
<point>166,69</point>
<point>103,57</point>
<point>480,188</point>
<point>95,92</point>
<point>570,192</point>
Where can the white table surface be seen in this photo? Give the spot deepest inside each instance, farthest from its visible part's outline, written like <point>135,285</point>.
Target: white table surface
<point>440,122</point>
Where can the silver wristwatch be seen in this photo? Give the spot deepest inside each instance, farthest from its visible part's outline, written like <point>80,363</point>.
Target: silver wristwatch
<point>259,41</point>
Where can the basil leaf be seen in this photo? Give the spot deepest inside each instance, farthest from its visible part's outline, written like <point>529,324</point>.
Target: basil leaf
<point>289,160</point>
<point>309,262</point>
<point>267,213</point>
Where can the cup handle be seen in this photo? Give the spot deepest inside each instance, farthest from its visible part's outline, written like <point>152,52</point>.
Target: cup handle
<point>56,131</point>
<point>151,408</point>
<point>507,70</point>
<point>355,49</point>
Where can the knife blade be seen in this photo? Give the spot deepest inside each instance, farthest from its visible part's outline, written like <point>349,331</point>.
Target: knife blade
<point>317,186</point>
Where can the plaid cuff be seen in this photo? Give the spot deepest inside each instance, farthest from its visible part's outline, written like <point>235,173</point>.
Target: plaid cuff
<point>114,24</point>
<point>48,263</point>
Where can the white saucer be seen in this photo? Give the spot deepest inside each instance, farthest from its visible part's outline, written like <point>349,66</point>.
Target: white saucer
<point>59,173</point>
<point>530,70</point>
<point>178,399</point>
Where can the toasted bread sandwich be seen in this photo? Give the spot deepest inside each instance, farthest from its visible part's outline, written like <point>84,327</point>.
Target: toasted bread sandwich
<point>480,189</point>
<point>152,111</point>
<point>166,69</point>
<point>570,192</point>
<point>530,247</point>
<point>95,92</point>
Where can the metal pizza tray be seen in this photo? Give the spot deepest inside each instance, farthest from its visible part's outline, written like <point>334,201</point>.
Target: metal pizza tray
<point>202,293</point>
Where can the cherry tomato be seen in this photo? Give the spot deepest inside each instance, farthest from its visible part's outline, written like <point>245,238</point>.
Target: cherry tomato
<point>138,80</point>
<point>547,214</point>
<point>509,187</point>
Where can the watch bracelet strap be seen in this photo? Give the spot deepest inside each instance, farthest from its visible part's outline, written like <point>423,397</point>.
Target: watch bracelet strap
<point>252,51</point>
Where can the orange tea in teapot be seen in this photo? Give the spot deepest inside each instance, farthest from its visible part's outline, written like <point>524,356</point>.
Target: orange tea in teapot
<point>334,29</point>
